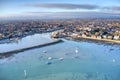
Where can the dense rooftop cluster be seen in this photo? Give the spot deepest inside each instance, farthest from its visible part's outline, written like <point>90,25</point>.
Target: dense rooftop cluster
<point>13,29</point>
<point>94,28</point>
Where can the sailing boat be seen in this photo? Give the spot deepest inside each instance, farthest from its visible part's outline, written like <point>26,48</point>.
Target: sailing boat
<point>25,73</point>
<point>76,52</point>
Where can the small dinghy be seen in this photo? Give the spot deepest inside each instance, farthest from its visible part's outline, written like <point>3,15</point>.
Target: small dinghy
<point>49,58</point>
<point>25,73</point>
<point>48,63</point>
<point>44,51</point>
<point>61,58</point>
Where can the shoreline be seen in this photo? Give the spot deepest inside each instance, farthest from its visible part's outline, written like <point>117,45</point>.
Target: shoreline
<point>9,53</point>
<point>10,40</point>
<point>96,40</point>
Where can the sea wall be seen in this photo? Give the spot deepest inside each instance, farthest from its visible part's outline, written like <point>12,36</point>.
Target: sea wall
<point>9,53</point>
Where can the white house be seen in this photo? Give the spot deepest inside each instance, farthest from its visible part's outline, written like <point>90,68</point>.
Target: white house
<point>116,37</point>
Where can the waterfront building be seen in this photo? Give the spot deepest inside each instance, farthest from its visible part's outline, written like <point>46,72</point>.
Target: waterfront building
<point>116,37</point>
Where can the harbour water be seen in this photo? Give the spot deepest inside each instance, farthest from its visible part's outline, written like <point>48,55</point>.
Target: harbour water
<point>28,41</point>
<point>93,61</point>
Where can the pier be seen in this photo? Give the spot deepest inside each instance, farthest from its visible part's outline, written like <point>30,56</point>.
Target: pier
<point>9,53</point>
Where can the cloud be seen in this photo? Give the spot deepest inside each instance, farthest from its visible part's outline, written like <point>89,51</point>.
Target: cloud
<point>75,14</point>
<point>117,8</point>
<point>113,8</point>
<point>66,6</point>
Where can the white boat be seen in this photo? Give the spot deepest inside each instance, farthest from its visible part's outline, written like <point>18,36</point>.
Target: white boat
<point>49,58</point>
<point>44,51</point>
<point>76,51</point>
<point>25,73</point>
<point>61,58</point>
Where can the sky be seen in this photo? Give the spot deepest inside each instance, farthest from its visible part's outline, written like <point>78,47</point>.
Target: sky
<point>59,8</point>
